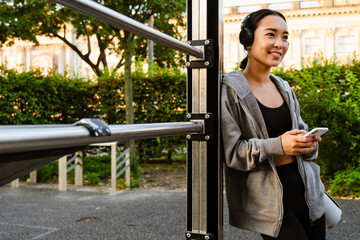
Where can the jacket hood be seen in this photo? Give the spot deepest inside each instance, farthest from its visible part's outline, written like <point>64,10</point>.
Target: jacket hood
<point>238,82</point>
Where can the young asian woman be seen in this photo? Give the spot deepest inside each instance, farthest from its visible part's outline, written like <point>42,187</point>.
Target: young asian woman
<point>273,186</point>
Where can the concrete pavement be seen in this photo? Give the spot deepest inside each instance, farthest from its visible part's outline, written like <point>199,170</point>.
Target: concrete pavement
<point>37,212</point>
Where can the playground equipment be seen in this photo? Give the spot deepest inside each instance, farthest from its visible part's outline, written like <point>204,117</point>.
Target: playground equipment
<point>26,148</point>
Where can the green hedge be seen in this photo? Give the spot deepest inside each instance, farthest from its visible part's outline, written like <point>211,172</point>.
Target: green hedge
<point>329,95</point>
<point>328,92</point>
<point>32,98</point>
<point>160,97</point>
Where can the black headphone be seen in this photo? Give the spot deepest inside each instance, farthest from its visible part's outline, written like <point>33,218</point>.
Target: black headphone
<point>246,35</point>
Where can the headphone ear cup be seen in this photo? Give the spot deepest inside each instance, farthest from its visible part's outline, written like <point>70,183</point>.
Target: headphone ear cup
<point>246,37</point>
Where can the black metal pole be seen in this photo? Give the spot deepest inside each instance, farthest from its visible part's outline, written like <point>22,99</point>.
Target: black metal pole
<point>215,179</point>
<point>204,169</point>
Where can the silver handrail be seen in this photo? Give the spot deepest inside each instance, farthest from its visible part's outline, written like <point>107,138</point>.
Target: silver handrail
<point>107,15</point>
<point>33,138</point>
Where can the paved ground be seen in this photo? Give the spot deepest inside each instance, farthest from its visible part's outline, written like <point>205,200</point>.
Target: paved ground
<point>91,213</point>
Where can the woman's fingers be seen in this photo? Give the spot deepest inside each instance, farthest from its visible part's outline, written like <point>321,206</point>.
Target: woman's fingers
<point>295,132</point>
<point>305,144</point>
<point>317,138</point>
<point>294,143</point>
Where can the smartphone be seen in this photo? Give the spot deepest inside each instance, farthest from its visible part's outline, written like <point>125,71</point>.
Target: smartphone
<point>316,131</point>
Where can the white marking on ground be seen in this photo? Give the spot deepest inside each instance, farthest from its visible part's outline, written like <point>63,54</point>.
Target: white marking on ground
<point>49,229</point>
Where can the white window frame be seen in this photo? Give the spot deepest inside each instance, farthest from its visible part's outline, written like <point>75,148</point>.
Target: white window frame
<point>346,47</point>
<point>312,45</point>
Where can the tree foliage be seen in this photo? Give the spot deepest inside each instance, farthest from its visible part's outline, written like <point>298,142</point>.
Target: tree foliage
<point>329,94</point>
<point>158,97</point>
<point>28,19</point>
<point>32,98</point>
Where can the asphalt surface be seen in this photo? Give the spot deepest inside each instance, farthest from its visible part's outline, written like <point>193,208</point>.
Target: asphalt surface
<point>91,213</point>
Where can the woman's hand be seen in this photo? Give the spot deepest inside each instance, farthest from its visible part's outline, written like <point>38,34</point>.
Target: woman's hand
<point>294,143</point>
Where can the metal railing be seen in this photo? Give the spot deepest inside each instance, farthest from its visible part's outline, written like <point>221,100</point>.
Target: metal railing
<point>125,160</point>
<point>71,160</point>
<point>77,163</point>
<point>16,139</point>
<point>119,165</point>
<point>28,147</point>
<point>116,19</point>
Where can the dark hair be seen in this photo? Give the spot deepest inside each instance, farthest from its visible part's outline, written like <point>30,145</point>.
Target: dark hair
<point>248,27</point>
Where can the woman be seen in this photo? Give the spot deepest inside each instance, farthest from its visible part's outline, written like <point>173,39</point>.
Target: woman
<point>273,187</point>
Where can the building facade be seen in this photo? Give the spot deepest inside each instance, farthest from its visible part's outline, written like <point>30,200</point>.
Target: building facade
<point>326,27</point>
<point>52,54</point>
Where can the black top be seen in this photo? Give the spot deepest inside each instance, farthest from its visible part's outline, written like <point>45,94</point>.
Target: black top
<point>277,120</point>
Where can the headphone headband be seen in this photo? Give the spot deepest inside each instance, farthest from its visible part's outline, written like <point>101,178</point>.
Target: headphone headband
<point>245,20</point>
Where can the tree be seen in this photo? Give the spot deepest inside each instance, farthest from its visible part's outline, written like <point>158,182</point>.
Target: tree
<point>27,19</point>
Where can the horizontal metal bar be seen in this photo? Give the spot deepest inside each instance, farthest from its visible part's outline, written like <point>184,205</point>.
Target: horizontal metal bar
<point>107,15</point>
<point>71,160</point>
<point>122,154</point>
<point>71,168</point>
<point>30,138</point>
<point>122,163</point>
<point>122,171</point>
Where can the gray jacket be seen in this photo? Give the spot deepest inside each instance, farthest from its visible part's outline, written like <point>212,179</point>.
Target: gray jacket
<point>253,188</point>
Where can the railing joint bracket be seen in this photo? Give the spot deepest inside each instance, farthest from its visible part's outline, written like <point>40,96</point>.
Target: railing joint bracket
<point>95,126</point>
<point>199,236</point>
<point>207,120</point>
<point>207,48</point>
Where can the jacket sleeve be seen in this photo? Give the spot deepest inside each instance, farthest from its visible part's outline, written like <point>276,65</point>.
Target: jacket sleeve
<point>242,154</point>
<point>303,126</point>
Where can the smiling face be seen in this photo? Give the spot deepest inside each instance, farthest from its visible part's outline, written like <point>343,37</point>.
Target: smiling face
<point>270,42</point>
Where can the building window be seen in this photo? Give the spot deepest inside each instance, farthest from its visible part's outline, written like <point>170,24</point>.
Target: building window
<point>245,9</point>
<point>345,2</point>
<point>312,45</point>
<point>281,6</point>
<point>346,44</point>
<point>310,4</point>
<point>227,10</point>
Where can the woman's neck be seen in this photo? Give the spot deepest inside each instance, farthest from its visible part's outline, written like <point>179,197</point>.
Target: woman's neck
<point>263,88</point>
<point>259,74</point>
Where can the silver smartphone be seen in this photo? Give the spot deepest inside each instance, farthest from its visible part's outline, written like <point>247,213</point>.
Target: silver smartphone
<point>316,131</point>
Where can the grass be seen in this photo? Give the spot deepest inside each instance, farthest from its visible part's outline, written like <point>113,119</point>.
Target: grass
<point>159,166</point>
